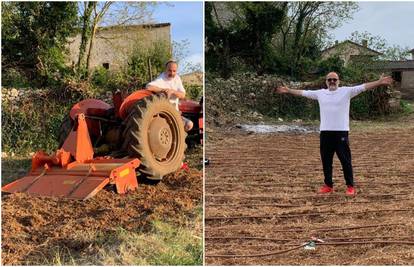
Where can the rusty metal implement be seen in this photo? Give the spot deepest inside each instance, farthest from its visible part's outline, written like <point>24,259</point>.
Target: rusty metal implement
<point>73,173</point>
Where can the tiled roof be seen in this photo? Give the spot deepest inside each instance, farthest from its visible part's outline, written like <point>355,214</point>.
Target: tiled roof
<point>353,43</point>
<point>393,65</point>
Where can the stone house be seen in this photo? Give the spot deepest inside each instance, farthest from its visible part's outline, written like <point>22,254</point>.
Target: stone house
<point>193,78</point>
<point>402,72</point>
<point>350,51</point>
<point>113,45</point>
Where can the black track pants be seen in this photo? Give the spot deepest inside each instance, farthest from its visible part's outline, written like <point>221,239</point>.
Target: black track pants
<point>331,142</point>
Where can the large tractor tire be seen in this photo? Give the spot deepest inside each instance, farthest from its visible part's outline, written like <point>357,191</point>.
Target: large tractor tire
<point>64,130</point>
<point>155,134</point>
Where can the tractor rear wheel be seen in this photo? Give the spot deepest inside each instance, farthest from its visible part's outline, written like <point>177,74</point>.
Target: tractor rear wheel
<point>154,133</point>
<point>64,130</point>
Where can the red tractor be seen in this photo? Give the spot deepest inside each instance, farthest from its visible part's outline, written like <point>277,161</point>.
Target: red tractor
<point>102,144</point>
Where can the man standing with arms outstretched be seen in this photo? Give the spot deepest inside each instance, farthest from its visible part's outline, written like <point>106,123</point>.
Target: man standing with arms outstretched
<point>334,105</point>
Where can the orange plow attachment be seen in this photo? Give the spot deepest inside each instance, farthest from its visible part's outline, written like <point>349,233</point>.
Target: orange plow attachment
<point>78,180</point>
<point>73,173</point>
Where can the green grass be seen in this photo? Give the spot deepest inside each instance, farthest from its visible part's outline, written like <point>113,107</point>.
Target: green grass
<point>62,257</point>
<point>164,244</point>
<point>13,168</point>
<point>401,120</point>
<point>407,106</point>
<point>194,157</point>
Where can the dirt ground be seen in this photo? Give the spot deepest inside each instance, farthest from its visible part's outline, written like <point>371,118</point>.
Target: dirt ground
<point>33,227</point>
<point>261,198</point>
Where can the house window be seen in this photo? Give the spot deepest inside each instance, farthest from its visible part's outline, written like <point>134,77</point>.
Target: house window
<point>396,75</point>
<point>105,65</point>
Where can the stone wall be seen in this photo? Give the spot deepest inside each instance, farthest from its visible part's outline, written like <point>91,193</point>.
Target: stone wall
<point>193,78</point>
<point>113,45</point>
<point>15,97</point>
<point>407,84</point>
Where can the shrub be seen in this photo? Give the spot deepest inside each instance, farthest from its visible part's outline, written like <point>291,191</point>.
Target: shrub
<point>331,64</point>
<point>100,77</point>
<point>246,93</point>
<point>194,92</point>
<point>371,104</point>
<point>32,123</point>
<point>138,63</point>
<point>14,77</point>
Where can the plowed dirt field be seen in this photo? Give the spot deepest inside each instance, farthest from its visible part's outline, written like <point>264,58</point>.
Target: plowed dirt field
<point>262,205</point>
<point>34,227</point>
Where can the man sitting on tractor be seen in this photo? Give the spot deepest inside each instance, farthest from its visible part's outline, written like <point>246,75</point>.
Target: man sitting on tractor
<point>170,83</point>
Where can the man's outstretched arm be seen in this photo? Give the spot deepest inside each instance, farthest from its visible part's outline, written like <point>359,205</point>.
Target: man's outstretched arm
<point>383,80</point>
<point>286,90</point>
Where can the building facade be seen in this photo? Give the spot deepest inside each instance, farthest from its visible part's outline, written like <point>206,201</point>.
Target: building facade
<point>403,74</point>
<point>350,51</point>
<point>114,45</point>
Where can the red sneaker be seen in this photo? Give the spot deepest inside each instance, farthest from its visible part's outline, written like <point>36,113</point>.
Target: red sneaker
<point>350,191</point>
<point>325,189</point>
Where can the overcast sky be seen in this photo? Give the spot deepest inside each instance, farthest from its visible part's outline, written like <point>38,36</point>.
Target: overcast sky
<point>393,21</point>
<point>186,20</point>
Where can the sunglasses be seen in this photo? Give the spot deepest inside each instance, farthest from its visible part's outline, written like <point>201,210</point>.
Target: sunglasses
<point>332,80</point>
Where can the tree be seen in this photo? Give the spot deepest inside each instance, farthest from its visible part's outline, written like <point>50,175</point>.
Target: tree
<point>9,33</point>
<point>307,26</point>
<point>99,10</point>
<point>107,13</point>
<point>380,44</point>
<point>253,29</point>
<point>242,30</point>
<point>217,41</point>
<point>397,52</point>
<point>181,53</point>
<point>274,37</point>
<point>35,36</point>
<point>85,33</point>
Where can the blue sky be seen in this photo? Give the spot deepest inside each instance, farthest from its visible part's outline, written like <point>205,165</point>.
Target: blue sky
<point>393,21</point>
<point>186,20</point>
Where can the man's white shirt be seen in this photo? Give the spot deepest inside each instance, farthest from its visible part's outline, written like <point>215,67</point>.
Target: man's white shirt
<point>175,83</point>
<point>334,106</point>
